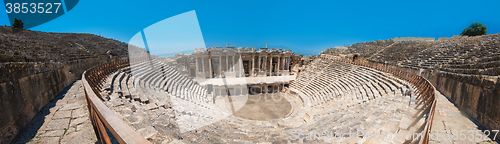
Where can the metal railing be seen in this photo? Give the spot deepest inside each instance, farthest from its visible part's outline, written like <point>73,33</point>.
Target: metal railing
<point>426,94</point>
<point>103,119</point>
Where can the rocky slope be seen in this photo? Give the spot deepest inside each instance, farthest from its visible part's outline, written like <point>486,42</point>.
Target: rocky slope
<point>36,46</point>
<point>35,66</point>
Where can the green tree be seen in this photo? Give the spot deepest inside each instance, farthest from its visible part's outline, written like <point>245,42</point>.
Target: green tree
<point>18,23</point>
<point>475,29</point>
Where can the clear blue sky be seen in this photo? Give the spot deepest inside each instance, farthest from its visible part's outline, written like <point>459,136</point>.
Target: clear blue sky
<point>306,27</point>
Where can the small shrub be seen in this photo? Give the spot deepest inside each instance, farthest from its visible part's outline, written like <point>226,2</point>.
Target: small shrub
<point>475,29</point>
<point>18,23</point>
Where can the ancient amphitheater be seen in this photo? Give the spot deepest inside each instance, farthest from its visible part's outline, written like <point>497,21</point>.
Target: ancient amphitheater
<point>402,90</point>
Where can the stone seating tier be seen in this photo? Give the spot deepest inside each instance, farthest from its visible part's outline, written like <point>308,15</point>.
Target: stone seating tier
<point>342,97</point>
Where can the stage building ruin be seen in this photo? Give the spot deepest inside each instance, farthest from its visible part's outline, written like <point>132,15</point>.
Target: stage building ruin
<point>242,70</point>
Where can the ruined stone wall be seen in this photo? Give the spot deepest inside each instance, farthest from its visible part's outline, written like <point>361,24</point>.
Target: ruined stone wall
<point>400,39</point>
<point>477,95</point>
<point>35,66</point>
<point>25,88</point>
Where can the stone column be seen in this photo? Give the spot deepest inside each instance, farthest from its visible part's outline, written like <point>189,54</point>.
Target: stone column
<point>271,66</point>
<point>262,63</point>
<point>227,63</point>
<point>265,64</point>
<point>266,89</point>
<point>253,65</point>
<point>210,67</point>
<point>278,67</point>
<point>241,72</point>
<point>284,63</point>
<point>233,67</point>
<point>258,64</point>
<point>213,98</point>
<point>203,63</point>
<point>196,60</point>
<point>220,66</point>
<point>241,89</point>
<point>262,89</point>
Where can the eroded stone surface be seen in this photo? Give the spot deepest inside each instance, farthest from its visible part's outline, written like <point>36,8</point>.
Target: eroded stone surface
<point>359,99</point>
<point>64,120</point>
<point>62,114</point>
<point>448,119</point>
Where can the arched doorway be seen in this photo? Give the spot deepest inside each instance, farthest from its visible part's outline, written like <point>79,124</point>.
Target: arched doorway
<point>354,57</point>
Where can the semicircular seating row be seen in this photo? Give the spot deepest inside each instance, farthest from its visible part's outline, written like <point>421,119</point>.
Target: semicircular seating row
<point>342,97</point>
<point>156,75</point>
<point>142,99</point>
<point>334,80</point>
<point>465,57</point>
<point>150,86</point>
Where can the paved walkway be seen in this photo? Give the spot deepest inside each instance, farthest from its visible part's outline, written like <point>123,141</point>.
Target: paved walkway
<point>64,120</point>
<point>449,117</point>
